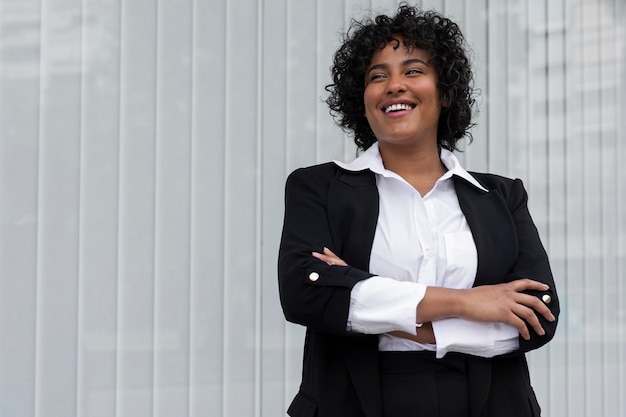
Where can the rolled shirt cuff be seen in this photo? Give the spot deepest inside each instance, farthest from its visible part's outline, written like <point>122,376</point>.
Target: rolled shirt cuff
<point>474,338</point>
<point>380,305</point>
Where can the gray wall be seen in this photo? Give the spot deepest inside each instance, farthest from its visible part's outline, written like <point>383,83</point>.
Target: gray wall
<point>143,150</point>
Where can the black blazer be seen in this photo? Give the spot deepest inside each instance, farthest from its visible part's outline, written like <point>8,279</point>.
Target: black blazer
<point>328,206</point>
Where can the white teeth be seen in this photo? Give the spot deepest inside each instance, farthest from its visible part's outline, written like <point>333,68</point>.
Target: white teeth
<point>396,107</point>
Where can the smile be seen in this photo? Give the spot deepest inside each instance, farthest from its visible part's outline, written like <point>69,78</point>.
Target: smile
<point>398,107</point>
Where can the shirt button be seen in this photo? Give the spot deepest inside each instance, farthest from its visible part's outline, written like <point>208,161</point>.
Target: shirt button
<point>546,298</point>
<point>314,276</point>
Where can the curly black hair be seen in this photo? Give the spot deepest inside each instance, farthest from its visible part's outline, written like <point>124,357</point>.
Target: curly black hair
<point>439,36</point>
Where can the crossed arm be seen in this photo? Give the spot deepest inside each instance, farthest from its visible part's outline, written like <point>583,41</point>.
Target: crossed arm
<point>505,303</point>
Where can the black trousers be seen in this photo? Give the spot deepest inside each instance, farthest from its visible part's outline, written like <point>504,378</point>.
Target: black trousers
<point>416,384</point>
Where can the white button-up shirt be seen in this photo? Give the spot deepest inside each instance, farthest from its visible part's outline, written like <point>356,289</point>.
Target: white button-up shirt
<point>420,242</point>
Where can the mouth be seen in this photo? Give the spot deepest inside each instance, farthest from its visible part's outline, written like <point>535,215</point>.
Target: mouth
<point>398,107</point>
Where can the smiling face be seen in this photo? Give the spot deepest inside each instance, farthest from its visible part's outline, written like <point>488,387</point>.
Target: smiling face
<point>402,102</point>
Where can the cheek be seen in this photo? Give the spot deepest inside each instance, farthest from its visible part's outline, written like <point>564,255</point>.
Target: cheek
<point>371,94</point>
<point>367,98</point>
<point>367,105</point>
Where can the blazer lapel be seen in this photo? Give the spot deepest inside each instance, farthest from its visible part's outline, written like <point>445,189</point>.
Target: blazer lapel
<point>353,214</point>
<point>492,226</point>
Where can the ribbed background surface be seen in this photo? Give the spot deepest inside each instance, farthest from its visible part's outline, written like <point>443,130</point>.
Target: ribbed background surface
<point>143,150</point>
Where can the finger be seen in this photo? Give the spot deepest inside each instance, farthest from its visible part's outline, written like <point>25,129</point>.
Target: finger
<point>336,259</point>
<point>528,284</point>
<point>537,305</point>
<point>542,309</point>
<point>322,258</point>
<point>529,316</point>
<point>520,325</point>
<point>329,260</point>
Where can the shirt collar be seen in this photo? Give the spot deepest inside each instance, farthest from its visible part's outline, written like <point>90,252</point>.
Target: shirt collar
<point>371,159</point>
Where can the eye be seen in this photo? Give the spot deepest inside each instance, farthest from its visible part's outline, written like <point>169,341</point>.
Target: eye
<point>414,71</point>
<point>376,76</point>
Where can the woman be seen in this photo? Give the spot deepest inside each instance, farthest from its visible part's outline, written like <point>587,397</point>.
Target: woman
<point>421,285</point>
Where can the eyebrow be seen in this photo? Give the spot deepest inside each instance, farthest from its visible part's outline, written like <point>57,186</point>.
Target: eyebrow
<point>404,64</point>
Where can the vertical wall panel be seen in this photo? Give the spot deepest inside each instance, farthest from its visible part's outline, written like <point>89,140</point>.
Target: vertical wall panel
<point>517,88</point>
<point>620,53</point>
<point>330,18</point>
<point>556,392</point>
<point>608,160</point>
<point>98,227</point>
<point>457,11</point>
<point>301,83</point>
<point>172,202</point>
<point>20,26</point>
<point>240,231</point>
<point>207,209</point>
<point>573,318</point>
<point>136,242</point>
<point>476,33</point>
<point>497,88</point>
<point>208,194</point>
<point>301,145</point>
<point>536,173</point>
<point>58,203</point>
<point>275,392</point>
<point>258,262</point>
<point>592,186</point>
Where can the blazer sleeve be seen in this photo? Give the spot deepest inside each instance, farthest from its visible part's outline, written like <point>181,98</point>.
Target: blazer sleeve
<point>532,262</point>
<point>312,293</point>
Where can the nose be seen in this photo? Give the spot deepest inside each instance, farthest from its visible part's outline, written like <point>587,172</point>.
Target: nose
<point>396,84</point>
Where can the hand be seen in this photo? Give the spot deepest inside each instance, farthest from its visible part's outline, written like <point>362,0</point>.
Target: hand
<point>329,257</point>
<point>425,334</point>
<point>507,303</point>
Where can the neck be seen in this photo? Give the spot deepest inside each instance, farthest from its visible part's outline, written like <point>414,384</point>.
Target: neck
<point>420,167</point>
<point>415,161</point>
